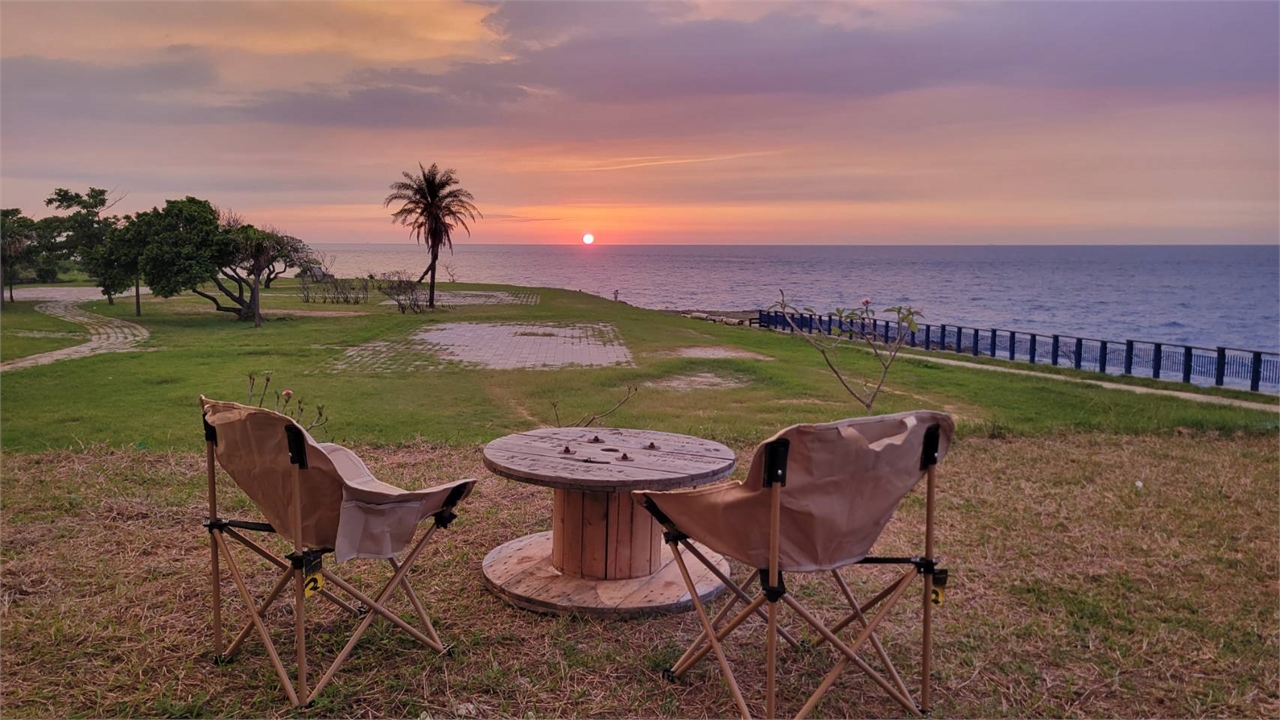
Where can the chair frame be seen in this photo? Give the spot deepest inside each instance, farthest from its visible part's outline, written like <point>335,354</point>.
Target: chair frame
<point>301,566</point>
<point>773,593</point>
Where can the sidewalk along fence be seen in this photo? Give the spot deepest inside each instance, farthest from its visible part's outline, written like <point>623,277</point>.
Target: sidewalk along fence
<point>1255,369</point>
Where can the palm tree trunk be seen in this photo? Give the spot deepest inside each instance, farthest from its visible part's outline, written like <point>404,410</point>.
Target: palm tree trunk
<point>431,289</point>
<point>137,296</point>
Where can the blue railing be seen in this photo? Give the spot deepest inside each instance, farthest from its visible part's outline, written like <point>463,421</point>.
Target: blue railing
<point>1220,366</point>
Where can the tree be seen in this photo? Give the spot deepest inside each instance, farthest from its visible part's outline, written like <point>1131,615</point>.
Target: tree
<point>117,262</point>
<point>903,322</point>
<point>83,233</point>
<point>192,243</point>
<point>17,240</point>
<point>432,206</point>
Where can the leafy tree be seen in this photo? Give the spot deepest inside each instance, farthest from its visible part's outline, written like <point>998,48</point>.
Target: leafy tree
<point>17,241</point>
<point>83,233</point>
<point>116,263</point>
<point>191,244</point>
<point>432,206</point>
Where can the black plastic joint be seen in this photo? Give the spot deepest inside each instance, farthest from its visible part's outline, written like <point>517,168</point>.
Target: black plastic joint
<point>925,566</point>
<point>307,560</point>
<point>222,660</point>
<point>297,445</point>
<point>775,462</point>
<point>929,454</point>
<point>670,676</point>
<point>212,525</point>
<point>673,535</point>
<point>772,593</point>
<point>445,516</point>
<point>210,432</point>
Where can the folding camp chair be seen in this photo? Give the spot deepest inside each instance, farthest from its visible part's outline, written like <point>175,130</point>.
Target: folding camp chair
<point>323,499</point>
<point>816,499</point>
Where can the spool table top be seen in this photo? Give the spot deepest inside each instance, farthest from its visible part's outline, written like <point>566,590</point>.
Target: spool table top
<point>608,459</point>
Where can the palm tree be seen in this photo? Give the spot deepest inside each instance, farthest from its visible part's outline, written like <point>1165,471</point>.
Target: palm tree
<point>432,207</point>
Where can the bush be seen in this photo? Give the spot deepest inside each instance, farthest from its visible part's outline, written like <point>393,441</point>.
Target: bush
<point>47,268</point>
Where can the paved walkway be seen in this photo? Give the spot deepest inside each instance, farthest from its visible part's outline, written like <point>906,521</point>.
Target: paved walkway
<point>1194,397</point>
<point>105,334</point>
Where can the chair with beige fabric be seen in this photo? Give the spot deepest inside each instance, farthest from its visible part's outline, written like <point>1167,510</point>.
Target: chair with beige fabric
<point>321,498</point>
<point>816,499</point>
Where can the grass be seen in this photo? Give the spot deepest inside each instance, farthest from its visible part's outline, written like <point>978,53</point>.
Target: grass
<point>195,351</point>
<point>1073,593</point>
<point>22,331</point>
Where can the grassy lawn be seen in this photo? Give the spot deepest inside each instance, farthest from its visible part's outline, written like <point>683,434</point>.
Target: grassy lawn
<point>1074,592</point>
<point>23,331</point>
<point>195,351</point>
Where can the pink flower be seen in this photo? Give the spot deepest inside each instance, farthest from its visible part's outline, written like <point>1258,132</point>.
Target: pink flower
<point>866,301</point>
<point>287,394</point>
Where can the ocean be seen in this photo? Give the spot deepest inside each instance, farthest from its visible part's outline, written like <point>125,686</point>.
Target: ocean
<point>1199,295</point>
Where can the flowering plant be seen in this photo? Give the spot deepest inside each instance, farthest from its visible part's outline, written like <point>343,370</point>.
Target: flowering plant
<point>285,404</point>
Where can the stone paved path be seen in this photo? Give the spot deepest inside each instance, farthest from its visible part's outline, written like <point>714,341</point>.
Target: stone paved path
<point>105,334</point>
<point>452,298</point>
<point>499,346</point>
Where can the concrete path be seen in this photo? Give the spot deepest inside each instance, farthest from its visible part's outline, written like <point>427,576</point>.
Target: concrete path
<point>105,334</point>
<point>1194,397</point>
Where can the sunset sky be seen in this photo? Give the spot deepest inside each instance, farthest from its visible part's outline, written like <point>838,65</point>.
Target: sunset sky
<point>691,122</point>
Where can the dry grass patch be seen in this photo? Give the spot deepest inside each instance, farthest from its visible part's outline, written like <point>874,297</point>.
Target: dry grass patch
<point>1074,593</point>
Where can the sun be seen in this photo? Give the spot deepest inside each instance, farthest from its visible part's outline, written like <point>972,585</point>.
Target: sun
<point>588,239</point>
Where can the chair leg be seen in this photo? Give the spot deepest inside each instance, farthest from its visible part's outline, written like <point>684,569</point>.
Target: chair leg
<point>376,606</point>
<point>699,641</point>
<point>875,641</point>
<point>721,634</point>
<point>926,659</point>
<point>262,609</point>
<point>739,591</point>
<point>215,574</point>
<point>711,633</point>
<point>300,628</point>
<point>417,604</point>
<point>257,622</point>
<point>771,653</point>
<point>850,651</point>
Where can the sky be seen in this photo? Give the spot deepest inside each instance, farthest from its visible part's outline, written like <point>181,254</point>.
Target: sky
<point>678,122</point>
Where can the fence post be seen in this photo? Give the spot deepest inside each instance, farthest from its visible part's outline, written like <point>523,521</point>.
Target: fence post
<point>1031,349</point>
<point>975,342</point>
<point>886,332</point>
<point>1220,371</point>
<point>928,336</point>
<point>993,342</point>
<point>1255,372</point>
<point>1079,352</point>
<point>1013,343</point>
<point>942,338</point>
<point>913,338</point>
<point>1053,351</point>
<point>1102,356</point>
<point>1128,357</point>
<point>1186,365</point>
<point>1157,360</point>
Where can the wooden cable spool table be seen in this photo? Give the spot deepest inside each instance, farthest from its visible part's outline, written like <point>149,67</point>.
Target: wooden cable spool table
<point>604,554</point>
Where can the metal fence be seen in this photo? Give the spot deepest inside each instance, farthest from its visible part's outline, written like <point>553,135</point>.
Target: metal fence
<point>1221,366</point>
